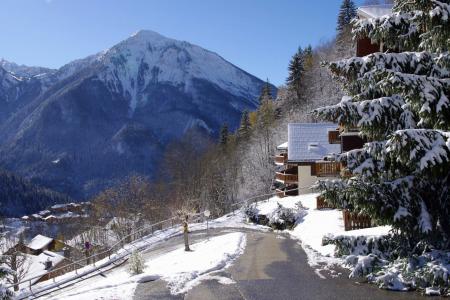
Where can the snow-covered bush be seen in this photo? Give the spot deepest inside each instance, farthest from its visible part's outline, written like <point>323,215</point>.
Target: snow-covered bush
<point>280,219</point>
<point>286,218</point>
<point>364,265</point>
<point>382,246</point>
<point>251,212</point>
<point>381,262</point>
<point>136,263</point>
<point>428,271</point>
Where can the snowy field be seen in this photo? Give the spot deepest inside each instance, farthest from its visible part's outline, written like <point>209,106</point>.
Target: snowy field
<point>181,270</point>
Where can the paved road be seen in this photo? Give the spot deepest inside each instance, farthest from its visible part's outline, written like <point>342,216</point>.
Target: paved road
<point>272,267</point>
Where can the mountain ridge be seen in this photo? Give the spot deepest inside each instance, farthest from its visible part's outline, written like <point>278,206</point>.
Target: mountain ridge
<point>100,118</point>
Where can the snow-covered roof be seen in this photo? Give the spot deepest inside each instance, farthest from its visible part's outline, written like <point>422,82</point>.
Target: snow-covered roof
<point>36,264</point>
<point>309,141</point>
<point>374,11</point>
<point>283,146</point>
<point>39,242</point>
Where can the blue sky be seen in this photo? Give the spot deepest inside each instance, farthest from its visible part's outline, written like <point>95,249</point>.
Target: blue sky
<point>257,35</point>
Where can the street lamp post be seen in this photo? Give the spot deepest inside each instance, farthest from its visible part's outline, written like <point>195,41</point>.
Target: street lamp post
<point>207,213</point>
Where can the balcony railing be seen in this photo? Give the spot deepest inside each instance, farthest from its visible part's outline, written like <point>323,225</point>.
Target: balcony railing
<point>288,176</point>
<point>288,191</point>
<point>281,159</point>
<point>333,137</point>
<point>327,169</point>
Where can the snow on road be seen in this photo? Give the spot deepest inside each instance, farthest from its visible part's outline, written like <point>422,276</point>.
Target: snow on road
<point>181,270</point>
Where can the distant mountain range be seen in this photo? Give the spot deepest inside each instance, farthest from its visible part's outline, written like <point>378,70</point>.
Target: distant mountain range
<point>79,128</point>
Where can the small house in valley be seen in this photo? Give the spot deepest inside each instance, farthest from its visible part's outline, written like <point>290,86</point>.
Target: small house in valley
<point>41,243</point>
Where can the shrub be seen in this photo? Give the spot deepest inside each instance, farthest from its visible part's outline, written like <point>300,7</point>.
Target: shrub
<point>136,263</point>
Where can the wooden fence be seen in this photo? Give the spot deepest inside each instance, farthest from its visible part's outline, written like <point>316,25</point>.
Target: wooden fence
<point>322,204</point>
<point>354,220</point>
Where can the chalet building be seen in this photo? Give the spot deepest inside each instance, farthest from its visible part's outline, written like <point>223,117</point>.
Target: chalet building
<point>42,243</point>
<point>310,154</point>
<point>306,156</point>
<point>46,258</point>
<point>364,46</point>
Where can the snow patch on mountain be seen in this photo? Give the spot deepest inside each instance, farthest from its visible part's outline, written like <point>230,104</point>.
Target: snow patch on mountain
<point>148,57</point>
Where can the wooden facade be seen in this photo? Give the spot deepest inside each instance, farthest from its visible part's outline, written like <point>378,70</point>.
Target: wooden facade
<point>287,176</point>
<point>351,142</point>
<point>281,159</point>
<point>333,137</point>
<point>365,47</point>
<point>326,169</point>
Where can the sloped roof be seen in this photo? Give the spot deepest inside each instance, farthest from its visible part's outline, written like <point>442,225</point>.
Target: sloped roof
<point>39,242</point>
<point>374,11</point>
<point>309,141</point>
<point>36,264</point>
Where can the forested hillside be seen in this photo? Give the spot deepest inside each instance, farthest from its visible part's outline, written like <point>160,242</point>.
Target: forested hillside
<point>19,197</point>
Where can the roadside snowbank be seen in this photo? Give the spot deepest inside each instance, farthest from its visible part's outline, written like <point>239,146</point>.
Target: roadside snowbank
<point>317,225</point>
<point>181,270</point>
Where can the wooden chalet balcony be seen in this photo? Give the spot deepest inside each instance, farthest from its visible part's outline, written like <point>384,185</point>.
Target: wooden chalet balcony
<point>333,137</point>
<point>326,169</point>
<point>287,176</point>
<point>281,159</point>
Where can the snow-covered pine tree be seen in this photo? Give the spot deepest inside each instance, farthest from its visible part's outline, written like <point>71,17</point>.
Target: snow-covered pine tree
<point>400,103</point>
<point>296,69</point>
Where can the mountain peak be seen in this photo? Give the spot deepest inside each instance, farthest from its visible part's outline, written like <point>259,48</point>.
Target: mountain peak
<point>147,34</point>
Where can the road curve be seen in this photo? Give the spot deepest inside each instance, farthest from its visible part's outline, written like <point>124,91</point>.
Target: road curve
<point>272,267</point>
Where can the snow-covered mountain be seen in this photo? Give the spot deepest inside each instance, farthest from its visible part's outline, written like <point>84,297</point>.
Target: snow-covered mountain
<point>24,71</point>
<point>97,119</point>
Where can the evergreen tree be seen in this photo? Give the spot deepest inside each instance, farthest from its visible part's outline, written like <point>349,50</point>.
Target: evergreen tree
<point>400,102</point>
<point>347,13</point>
<point>296,69</point>
<point>266,93</point>
<point>344,41</point>
<point>308,57</point>
<point>224,135</point>
<point>244,128</point>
